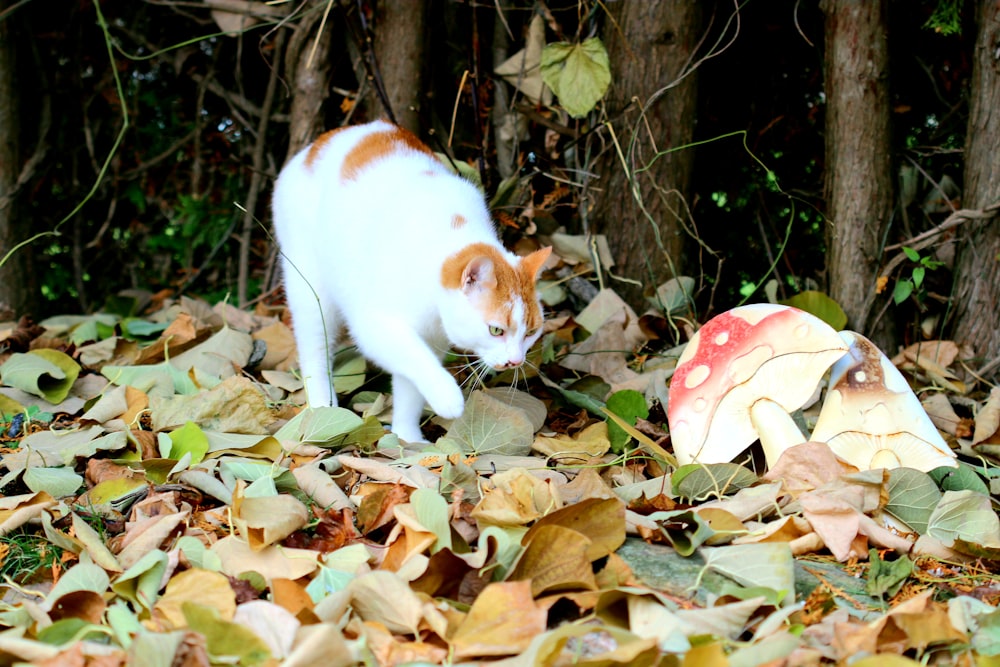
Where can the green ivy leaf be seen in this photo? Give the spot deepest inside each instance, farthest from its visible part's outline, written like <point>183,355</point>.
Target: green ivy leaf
<point>885,578</point>
<point>579,74</point>
<point>911,254</point>
<point>630,405</point>
<point>189,439</point>
<point>902,291</point>
<point>918,276</point>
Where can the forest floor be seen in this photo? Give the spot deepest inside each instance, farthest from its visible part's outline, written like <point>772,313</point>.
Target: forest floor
<point>167,501</point>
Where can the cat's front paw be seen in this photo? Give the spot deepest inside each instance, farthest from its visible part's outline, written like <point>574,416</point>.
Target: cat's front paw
<point>449,402</point>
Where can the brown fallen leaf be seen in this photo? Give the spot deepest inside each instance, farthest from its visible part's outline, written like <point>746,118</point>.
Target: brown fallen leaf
<point>377,504</point>
<point>913,624</point>
<point>515,498</point>
<point>273,562</point>
<point>194,585</point>
<point>502,621</point>
<point>85,605</point>
<point>102,470</point>
<point>281,353</point>
<point>177,337</point>
<point>602,521</point>
<point>266,520</point>
<point>388,649</point>
<point>806,467</point>
<point>556,560</point>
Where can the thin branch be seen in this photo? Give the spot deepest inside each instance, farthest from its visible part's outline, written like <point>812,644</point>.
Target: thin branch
<point>928,238</point>
<point>252,8</point>
<point>237,101</point>
<point>957,218</point>
<point>256,180</point>
<point>153,161</point>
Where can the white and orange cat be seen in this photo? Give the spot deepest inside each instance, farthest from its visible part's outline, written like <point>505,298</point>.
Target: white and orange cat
<point>379,237</point>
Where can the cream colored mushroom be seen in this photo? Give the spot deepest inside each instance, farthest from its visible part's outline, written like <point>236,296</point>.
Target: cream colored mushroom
<point>739,378</point>
<point>872,419</point>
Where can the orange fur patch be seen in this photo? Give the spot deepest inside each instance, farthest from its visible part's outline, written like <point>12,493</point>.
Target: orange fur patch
<point>377,145</point>
<point>317,146</point>
<point>511,281</point>
<point>458,221</point>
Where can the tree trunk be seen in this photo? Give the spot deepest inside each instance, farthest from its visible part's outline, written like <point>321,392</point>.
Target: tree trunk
<point>976,293</point>
<point>16,278</point>
<point>399,51</point>
<point>307,66</point>
<point>859,182</point>
<point>649,44</point>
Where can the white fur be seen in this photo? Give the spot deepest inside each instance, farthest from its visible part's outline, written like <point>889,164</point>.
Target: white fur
<point>366,254</point>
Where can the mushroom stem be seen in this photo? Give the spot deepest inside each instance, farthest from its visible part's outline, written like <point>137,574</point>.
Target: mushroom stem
<point>776,429</point>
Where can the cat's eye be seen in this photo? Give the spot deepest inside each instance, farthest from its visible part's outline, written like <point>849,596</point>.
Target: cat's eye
<point>531,333</point>
<point>495,331</point>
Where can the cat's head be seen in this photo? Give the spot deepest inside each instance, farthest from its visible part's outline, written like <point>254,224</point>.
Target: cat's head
<point>491,306</point>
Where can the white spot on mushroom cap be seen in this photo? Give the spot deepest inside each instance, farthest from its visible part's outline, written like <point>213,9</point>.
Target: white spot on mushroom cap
<point>722,338</point>
<point>697,376</point>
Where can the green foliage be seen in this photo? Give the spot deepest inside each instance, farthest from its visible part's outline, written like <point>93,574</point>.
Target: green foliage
<point>25,554</point>
<point>905,287</point>
<point>630,405</point>
<point>885,578</point>
<point>946,18</point>
<point>579,74</point>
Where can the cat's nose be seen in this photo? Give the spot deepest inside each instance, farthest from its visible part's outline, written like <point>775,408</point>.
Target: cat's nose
<point>511,363</point>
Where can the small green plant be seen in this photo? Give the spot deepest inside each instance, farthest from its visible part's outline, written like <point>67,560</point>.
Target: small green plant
<point>23,554</point>
<point>946,18</point>
<point>905,287</point>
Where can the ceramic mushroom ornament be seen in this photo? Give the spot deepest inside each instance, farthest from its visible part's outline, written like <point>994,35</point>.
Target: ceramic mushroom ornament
<point>741,376</point>
<point>872,419</point>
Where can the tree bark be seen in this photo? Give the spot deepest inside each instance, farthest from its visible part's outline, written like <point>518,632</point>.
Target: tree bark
<point>399,50</point>
<point>307,65</point>
<point>17,293</point>
<point>976,292</point>
<point>649,44</point>
<point>859,182</point>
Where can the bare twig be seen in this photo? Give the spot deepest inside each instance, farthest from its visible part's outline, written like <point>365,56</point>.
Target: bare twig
<point>929,238</point>
<point>157,159</point>
<point>236,100</point>
<point>954,220</point>
<point>262,10</point>
<point>256,180</point>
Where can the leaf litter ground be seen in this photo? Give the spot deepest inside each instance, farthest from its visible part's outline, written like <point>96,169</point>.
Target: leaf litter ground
<point>167,501</point>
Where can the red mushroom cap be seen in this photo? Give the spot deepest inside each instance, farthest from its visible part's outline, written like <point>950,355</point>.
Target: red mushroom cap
<point>747,354</point>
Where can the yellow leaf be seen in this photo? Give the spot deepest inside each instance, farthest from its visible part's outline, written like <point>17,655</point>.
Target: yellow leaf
<point>602,521</point>
<point>502,621</point>
<point>517,498</point>
<point>266,520</point>
<point>556,560</point>
<point>201,586</point>
<point>591,441</point>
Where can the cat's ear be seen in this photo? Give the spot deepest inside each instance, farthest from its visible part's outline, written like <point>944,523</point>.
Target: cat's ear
<point>532,264</point>
<point>479,274</point>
